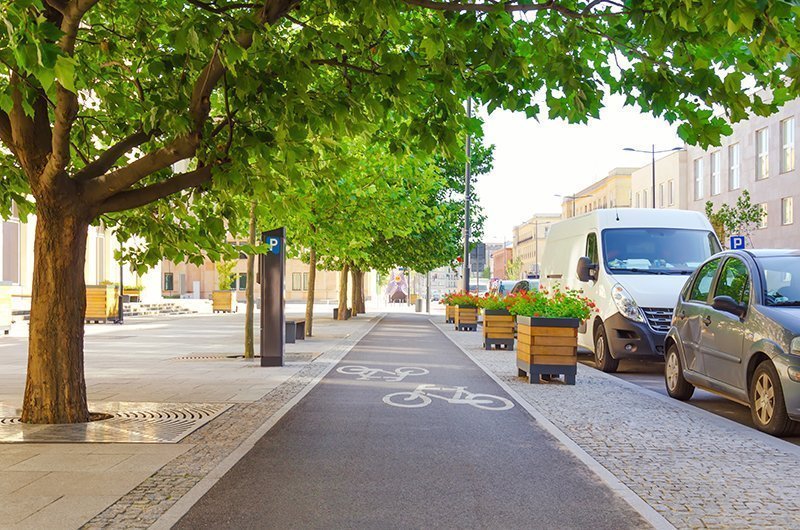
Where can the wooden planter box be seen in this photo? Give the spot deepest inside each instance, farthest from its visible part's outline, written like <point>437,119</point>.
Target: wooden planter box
<point>498,329</point>
<point>466,318</point>
<point>101,303</point>
<point>449,314</point>
<point>134,294</point>
<point>223,301</point>
<point>547,346</point>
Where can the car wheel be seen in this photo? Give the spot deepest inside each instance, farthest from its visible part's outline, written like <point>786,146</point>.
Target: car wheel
<point>767,406</point>
<point>602,356</point>
<point>677,385</point>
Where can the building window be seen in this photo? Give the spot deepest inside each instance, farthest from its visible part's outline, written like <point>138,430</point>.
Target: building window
<point>637,200</point>
<point>644,199</point>
<point>297,281</point>
<point>787,211</point>
<point>670,192</point>
<point>100,246</point>
<point>169,281</point>
<point>305,281</point>
<point>762,154</point>
<point>242,281</point>
<point>661,195</point>
<point>698,179</point>
<point>734,173</point>
<point>716,162</point>
<point>787,145</point>
<point>763,222</point>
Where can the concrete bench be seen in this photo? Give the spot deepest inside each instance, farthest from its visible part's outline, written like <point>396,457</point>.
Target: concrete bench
<point>295,330</point>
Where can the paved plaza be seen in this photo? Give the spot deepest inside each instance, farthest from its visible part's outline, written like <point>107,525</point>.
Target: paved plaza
<point>327,441</point>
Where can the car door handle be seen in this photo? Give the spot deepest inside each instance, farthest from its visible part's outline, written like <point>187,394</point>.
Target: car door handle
<point>707,320</point>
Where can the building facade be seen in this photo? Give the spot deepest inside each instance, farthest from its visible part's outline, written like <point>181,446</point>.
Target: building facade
<point>529,242</point>
<point>186,280</point>
<point>613,191</point>
<point>500,259</point>
<point>761,157</point>
<point>16,262</point>
<point>670,183</point>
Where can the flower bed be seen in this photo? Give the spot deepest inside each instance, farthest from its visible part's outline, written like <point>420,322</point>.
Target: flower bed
<point>498,323</point>
<point>465,313</point>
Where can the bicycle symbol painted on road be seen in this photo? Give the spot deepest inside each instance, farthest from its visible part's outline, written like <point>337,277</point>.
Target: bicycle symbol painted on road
<point>455,395</point>
<point>366,373</point>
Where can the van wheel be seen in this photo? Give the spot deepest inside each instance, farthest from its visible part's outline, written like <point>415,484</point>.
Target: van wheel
<point>767,406</point>
<point>602,356</point>
<point>677,385</point>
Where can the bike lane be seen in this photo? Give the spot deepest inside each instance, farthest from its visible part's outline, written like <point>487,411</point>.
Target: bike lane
<point>369,448</point>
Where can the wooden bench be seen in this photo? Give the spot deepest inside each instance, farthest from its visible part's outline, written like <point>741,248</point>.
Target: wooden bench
<point>295,330</point>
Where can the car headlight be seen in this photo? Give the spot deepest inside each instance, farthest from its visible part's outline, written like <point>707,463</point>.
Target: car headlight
<point>626,304</point>
<point>795,346</point>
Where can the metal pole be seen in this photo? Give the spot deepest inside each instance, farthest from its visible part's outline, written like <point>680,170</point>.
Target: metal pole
<point>654,175</point>
<point>119,300</point>
<point>467,193</point>
<point>573,205</point>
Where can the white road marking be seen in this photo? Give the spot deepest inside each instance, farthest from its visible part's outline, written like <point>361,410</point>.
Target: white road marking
<point>366,373</point>
<point>423,395</point>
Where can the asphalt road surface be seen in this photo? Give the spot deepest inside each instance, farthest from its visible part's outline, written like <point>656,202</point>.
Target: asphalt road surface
<point>650,374</point>
<point>369,448</point>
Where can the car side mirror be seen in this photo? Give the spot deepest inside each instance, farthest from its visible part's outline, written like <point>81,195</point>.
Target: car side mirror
<point>587,271</point>
<point>729,305</point>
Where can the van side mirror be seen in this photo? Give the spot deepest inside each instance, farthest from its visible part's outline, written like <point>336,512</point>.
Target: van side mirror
<point>587,271</point>
<point>729,305</point>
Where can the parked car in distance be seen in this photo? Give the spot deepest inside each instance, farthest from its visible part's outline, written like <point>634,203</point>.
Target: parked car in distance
<point>502,287</point>
<point>523,286</point>
<point>736,332</point>
<point>632,263</point>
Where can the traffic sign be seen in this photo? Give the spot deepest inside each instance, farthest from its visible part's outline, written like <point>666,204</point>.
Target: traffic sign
<point>737,242</point>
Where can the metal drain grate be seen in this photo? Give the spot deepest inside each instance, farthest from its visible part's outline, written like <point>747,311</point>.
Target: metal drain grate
<point>130,423</point>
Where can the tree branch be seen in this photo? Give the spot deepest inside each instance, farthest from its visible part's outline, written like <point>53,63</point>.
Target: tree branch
<point>5,132</point>
<point>107,185</point>
<point>141,196</point>
<point>109,157</point>
<point>214,8</point>
<point>346,66</point>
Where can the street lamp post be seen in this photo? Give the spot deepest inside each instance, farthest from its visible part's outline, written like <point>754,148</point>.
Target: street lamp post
<point>536,244</point>
<point>653,152</point>
<point>467,192</point>
<point>573,198</point>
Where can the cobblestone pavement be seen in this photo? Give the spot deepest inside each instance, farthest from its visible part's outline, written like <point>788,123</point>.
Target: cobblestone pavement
<point>694,468</point>
<point>143,505</point>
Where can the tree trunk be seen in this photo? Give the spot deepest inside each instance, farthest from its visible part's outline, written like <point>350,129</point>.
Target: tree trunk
<point>312,278</point>
<point>55,390</point>
<point>362,304</point>
<point>354,290</point>
<point>343,291</point>
<point>249,349</point>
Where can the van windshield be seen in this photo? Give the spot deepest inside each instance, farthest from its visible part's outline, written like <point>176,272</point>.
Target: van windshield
<point>656,250</point>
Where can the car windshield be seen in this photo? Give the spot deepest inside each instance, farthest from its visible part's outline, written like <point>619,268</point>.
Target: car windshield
<point>656,250</point>
<point>781,278</point>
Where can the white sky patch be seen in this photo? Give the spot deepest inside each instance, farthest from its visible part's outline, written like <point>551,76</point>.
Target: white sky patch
<point>533,160</point>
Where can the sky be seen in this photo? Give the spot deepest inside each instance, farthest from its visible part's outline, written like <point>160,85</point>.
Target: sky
<point>534,161</point>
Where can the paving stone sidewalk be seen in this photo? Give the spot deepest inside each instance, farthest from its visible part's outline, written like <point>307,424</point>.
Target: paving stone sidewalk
<point>696,469</point>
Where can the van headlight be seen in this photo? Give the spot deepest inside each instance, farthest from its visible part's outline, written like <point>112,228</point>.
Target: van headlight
<point>626,304</point>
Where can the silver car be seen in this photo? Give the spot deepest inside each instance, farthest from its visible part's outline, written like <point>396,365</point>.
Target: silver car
<point>736,332</point>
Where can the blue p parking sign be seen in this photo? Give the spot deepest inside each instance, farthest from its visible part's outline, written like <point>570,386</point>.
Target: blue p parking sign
<point>737,242</point>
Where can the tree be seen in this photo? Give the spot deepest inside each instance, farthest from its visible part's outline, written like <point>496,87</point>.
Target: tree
<point>513,268</point>
<point>114,111</point>
<point>486,273</point>
<point>249,348</point>
<point>740,219</point>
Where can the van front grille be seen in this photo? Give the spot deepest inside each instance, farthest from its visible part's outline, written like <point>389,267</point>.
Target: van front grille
<point>660,319</point>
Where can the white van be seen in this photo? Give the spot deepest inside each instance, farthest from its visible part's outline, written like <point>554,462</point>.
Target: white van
<point>632,262</point>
